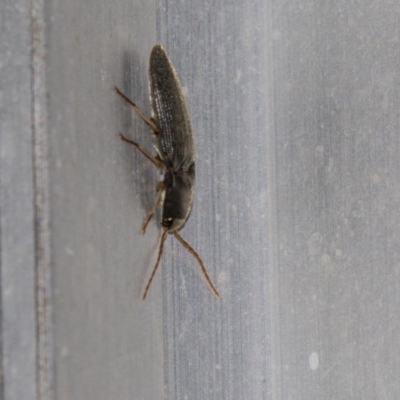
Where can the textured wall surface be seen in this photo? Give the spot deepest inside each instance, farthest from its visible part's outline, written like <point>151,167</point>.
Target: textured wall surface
<point>17,241</point>
<point>108,342</point>
<point>295,114</point>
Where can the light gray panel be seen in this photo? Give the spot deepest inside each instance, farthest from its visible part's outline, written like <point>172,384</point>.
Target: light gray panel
<point>18,325</point>
<point>337,125</point>
<point>108,342</point>
<point>295,111</point>
<point>221,348</point>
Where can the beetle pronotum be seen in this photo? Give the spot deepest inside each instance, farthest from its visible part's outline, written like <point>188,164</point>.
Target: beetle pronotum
<point>174,144</point>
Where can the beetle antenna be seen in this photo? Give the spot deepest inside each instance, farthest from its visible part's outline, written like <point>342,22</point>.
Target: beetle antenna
<point>163,237</point>
<point>192,251</point>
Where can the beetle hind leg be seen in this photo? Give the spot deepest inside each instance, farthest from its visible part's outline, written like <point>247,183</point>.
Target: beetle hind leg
<point>154,159</point>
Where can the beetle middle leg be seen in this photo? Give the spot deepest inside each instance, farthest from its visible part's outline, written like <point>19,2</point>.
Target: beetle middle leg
<point>155,160</point>
<point>160,191</point>
<point>149,121</point>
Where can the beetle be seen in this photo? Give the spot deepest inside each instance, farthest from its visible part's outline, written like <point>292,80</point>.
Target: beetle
<point>174,145</point>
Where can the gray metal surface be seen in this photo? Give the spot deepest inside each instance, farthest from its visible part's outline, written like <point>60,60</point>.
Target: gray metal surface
<point>294,109</point>
<point>297,213</point>
<point>221,349</point>
<point>338,187</point>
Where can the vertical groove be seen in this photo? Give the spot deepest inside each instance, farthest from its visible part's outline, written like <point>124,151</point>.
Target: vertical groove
<point>44,350</point>
<point>1,308</point>
<point>272,176</point>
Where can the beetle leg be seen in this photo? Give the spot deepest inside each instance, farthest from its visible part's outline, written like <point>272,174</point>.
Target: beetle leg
<point>157,201</point>
<point>155,160</point>
<point>163,237</point>
<point>149,121</point>
<point>193,252</point>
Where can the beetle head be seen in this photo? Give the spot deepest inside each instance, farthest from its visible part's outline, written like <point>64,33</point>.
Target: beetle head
<point>172,224</point>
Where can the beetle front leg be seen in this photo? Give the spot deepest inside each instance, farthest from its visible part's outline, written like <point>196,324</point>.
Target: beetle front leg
<point>157,201</point>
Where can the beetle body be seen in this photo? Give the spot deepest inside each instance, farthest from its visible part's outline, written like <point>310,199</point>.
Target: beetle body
<point>174,144</point>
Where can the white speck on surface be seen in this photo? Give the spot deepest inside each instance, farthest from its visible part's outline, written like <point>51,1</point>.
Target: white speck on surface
<point>69,251</point>
<point>222,277</point>
<point>376,178</point>
<point>238,76</point>
<point>319,151</point>
<point>325,259</point>
<point>64,351</point>
<point>313,361</point>
<point>8,290</point>
<point>276,35</point>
